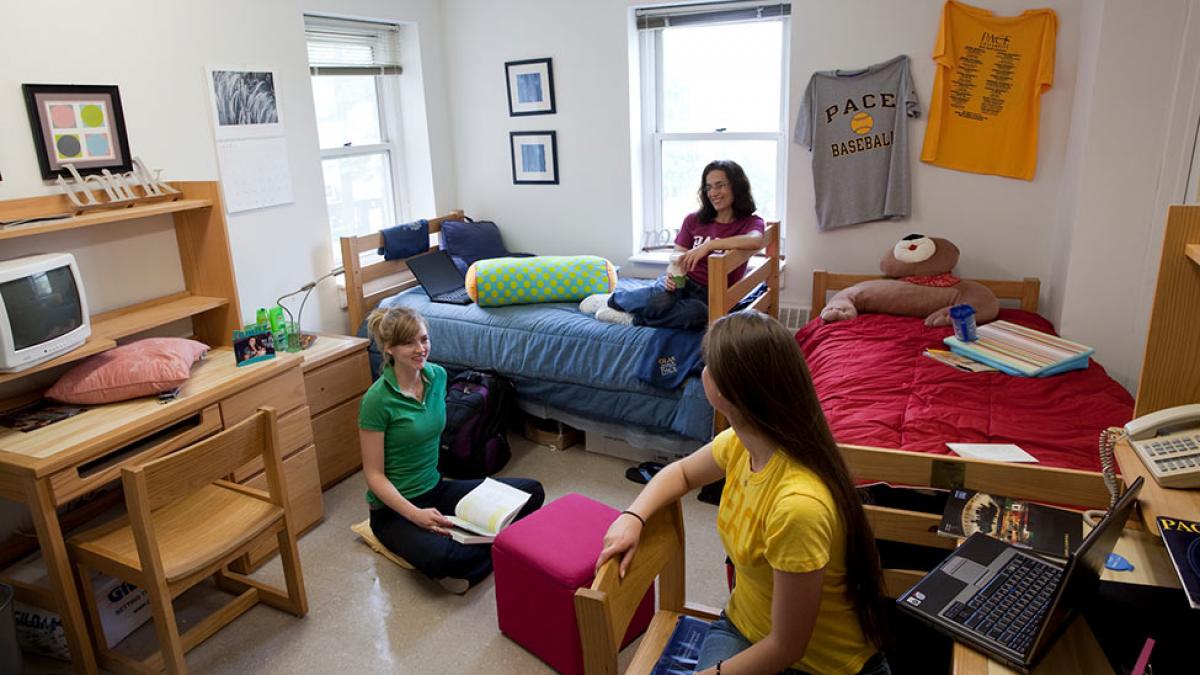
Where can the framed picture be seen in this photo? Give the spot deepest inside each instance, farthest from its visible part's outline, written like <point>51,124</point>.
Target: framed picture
<point>534,157</point>
<point>244,103</point>
<point>77,124</point>
<point>253,344</point>
<point>530,87</point>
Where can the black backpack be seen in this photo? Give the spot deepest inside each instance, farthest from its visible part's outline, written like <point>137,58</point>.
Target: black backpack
<point>479,405</point>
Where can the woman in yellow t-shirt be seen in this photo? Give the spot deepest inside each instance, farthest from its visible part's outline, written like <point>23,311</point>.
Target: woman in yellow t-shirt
<point>809,589</point>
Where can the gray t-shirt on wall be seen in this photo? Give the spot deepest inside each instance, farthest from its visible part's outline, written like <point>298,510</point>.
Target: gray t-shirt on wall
<point>859,143</point>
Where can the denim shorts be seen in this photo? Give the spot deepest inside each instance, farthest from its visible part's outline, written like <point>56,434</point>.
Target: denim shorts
<point>723,640</point>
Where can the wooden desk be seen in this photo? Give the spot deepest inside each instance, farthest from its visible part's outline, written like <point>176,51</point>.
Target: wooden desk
<point>1077,651</point>
<point>1155,500</point>
<point>48,467</point>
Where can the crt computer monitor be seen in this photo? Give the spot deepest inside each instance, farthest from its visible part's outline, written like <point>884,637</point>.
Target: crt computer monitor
<point>43,309</point>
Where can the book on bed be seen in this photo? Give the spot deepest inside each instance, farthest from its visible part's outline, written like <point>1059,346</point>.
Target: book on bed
<point>483,512</point>
<point>1017,350</point>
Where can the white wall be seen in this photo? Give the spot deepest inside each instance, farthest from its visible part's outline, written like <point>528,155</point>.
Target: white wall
<point>1132,158</point>
<point>156,53</point>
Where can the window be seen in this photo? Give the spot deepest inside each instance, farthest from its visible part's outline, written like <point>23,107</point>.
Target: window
<point>713,86</point>
<point>354,68</point>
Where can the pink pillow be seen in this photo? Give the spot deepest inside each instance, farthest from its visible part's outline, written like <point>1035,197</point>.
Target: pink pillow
<point>140,368</point>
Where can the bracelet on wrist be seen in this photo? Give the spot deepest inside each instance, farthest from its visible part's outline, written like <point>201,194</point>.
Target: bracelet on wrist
<point>631,513</point>
<point>718,668</point>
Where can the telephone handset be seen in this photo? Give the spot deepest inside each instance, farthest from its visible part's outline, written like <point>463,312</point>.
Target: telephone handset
<point>1167,442</point>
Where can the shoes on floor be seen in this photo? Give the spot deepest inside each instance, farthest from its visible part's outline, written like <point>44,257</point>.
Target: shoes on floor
<point>610,315</point>
<point>594,303</point>
<point>455,586</point>
<point>642,473</point>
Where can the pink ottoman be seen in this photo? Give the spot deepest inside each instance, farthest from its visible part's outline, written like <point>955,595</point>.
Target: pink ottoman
<point>539,562</point>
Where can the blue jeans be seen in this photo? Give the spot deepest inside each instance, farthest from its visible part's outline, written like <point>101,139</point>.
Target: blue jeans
<point>723,640</point>
<point>684,308</point>
<point>437,556</point>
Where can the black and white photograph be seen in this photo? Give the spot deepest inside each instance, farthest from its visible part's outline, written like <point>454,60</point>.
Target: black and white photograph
<point>244,102</point>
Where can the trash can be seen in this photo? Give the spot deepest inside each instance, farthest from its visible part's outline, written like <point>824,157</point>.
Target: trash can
<point>10,653</point>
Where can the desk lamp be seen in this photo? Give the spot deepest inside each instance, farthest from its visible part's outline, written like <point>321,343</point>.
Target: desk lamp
<point>306,339</point>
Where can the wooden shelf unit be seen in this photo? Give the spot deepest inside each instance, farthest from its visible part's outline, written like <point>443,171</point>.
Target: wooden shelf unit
<point>30,208</point>
<point>1171,366</point>
<point>210,300</point>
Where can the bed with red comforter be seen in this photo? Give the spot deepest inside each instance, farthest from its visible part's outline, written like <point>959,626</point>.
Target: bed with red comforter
<point>878,389</point>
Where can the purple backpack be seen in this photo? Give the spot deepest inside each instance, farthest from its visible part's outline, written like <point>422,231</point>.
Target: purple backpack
<point>479,406</point>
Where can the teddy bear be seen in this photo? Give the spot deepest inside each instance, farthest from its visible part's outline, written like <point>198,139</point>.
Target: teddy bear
<point>920,285</point>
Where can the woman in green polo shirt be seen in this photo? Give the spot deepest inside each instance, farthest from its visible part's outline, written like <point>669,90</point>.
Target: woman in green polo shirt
<point>400,428</point>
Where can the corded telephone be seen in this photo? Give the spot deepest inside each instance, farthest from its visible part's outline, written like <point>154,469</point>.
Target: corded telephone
<point>1167,442</point>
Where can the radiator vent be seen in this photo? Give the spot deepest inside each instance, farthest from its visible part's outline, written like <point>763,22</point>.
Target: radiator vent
<point>793,317</point>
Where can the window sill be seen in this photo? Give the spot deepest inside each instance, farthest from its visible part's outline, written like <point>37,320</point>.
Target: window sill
<point>661,257</point>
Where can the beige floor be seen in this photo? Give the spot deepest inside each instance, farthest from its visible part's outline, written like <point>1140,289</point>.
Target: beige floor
<point>369,616</point>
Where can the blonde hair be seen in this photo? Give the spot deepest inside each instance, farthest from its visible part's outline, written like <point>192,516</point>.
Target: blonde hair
<point>393,326</point>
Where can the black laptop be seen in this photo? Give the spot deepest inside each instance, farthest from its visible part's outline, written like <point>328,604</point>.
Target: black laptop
<point>439,276</point>
<point>1011,603</point>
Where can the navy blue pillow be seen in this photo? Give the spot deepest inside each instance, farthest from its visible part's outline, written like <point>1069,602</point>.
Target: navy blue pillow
<point>405,240</point>
<point>468,242</point>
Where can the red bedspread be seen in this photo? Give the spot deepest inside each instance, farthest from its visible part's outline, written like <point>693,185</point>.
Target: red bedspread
<point>878,389</point>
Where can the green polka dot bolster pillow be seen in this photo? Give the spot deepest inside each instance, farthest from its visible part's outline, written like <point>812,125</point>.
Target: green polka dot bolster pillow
<point>547,278</point>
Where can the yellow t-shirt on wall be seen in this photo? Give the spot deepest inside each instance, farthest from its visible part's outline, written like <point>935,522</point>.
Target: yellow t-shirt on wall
<point>783,517</point>
<point>991,72</point>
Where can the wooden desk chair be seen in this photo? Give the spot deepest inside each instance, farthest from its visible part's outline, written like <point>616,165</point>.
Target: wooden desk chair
<point>603,612</point>
<point>185,523</point>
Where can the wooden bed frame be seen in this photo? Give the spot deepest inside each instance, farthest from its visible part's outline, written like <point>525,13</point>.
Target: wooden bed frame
<point>387,278</point>
<point>917,469</point>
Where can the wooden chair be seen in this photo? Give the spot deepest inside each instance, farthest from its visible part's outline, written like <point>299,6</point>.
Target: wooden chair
<point>185,523</point>
<point>603,612</point>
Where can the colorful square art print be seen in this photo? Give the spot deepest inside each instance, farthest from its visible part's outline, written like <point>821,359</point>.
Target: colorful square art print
<point>82,125</point>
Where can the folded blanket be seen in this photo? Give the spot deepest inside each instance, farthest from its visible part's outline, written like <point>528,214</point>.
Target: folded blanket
<point>670,357</point>
<point>405,240</point>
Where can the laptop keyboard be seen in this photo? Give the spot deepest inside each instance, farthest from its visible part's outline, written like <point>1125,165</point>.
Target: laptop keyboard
<point>453,296</point>
<point>1010,608</point>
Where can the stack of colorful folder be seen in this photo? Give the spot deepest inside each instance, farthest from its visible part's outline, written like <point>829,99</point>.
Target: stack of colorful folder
<point>1018,350</point>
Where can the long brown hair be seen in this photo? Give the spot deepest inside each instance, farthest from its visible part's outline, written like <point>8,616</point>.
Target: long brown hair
<point>758,367</point>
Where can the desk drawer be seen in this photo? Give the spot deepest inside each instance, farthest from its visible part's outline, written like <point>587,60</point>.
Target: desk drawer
<point>77,480</point>
<point>335,382</point>
<point>335,433</point>
<point>306,508</point>
<point>283,392</point>
<point>295,432</point>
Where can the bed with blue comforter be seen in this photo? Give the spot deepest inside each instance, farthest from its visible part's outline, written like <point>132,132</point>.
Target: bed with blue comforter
<point>565,364</point>
<point>565,359</point>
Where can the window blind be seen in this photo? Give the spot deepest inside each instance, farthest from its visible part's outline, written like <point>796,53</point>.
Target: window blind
<point>651,18</point>
<point>344,47</point>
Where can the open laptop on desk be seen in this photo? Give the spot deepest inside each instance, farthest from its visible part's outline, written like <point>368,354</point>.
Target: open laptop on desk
<point>439,276</point>
<point>1009,603</point>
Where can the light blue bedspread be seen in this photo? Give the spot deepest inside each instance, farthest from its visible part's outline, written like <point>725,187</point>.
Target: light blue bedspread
<point>564,358</point>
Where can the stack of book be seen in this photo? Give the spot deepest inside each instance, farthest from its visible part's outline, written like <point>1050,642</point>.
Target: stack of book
<point>1018,350</point>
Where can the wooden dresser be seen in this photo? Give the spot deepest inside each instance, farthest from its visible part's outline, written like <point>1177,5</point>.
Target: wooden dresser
<point>337,372</point>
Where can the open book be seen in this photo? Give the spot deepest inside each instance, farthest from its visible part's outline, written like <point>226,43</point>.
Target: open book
<point>484,511</point>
